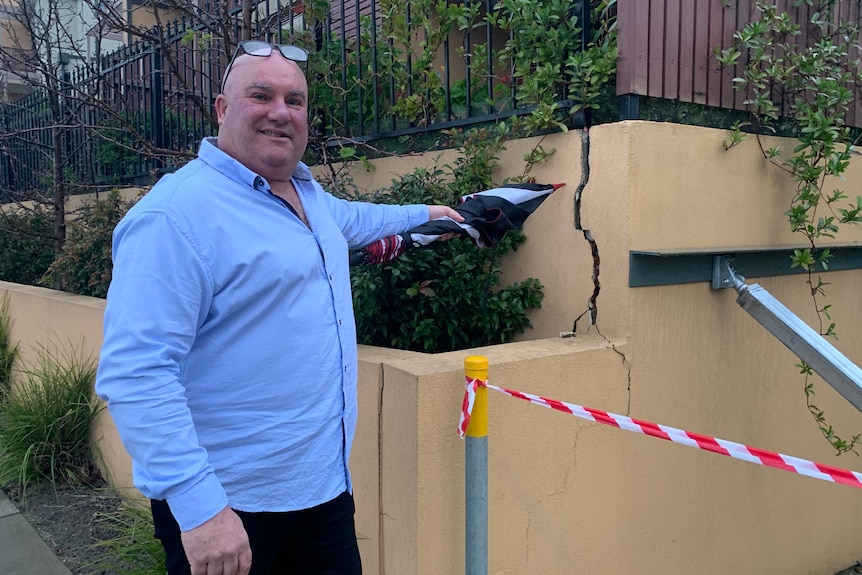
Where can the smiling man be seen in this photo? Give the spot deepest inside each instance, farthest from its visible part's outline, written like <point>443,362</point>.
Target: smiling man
<point>229,360</point>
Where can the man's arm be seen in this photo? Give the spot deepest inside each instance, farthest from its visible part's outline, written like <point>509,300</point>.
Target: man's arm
<point>158,297</point>
<point>363,223</point>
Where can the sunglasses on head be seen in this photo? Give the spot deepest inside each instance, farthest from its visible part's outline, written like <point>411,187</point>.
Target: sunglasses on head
<point>264,50</point>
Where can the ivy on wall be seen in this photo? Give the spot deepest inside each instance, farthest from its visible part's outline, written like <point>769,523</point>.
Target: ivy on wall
<point>808,89</point>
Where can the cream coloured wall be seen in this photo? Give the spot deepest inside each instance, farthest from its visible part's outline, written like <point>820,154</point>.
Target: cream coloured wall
<point>63,323</point>
<point>569,496</point>
<point>651,187</point>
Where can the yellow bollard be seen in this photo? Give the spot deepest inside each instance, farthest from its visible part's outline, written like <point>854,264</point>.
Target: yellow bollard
<point>476,468</point>
<point>476,367</point>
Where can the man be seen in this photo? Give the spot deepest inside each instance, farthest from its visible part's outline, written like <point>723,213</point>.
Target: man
<point>229,361</point>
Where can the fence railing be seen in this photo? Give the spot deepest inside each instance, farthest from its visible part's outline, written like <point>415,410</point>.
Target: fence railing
<point>148,105</point>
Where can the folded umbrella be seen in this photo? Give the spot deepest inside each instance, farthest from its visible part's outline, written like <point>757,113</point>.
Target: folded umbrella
<point>488,215</point>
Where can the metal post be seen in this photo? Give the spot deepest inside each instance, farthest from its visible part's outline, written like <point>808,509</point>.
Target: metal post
<point>476,464</point>
<point>157,109</point>
<point>812,348</point>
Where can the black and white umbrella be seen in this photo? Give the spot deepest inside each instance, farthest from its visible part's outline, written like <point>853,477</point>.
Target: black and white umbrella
<point>488,215</point>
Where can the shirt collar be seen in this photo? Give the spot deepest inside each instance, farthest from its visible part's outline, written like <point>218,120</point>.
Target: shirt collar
<point>227,165</point>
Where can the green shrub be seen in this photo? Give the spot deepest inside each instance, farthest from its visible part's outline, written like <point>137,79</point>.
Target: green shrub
<point>445,296</point>
<point>442,298</point>
<point>45,424</point>
<point>84,267</point>
<point>27,245</point>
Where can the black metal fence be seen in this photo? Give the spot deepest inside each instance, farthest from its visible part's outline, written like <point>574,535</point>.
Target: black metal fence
<point>144,109</point>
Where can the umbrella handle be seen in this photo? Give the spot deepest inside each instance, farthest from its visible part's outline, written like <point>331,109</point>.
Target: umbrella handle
<point>356,257</point>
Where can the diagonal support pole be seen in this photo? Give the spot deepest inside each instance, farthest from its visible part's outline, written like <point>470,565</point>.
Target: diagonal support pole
<point>812,348</point>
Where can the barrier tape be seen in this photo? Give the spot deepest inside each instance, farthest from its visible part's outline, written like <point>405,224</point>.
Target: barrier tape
<point>467,404</point>
<point>720,446</point>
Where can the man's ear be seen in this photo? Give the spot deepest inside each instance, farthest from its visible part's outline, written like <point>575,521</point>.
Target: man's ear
<point>220,107</point>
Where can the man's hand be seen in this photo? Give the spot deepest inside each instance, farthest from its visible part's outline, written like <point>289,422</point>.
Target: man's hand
<point>219,546</point>
<point>437,212</point>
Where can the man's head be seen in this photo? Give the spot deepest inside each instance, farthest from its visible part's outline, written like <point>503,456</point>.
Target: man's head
<point>263,109</point>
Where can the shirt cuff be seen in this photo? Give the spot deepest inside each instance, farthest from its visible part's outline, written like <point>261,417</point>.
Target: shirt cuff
<point>199,504</point>
<point>418,213</point>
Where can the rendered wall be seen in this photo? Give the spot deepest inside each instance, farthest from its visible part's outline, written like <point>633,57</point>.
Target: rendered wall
<point>573,497</point>
<point>568,496</point>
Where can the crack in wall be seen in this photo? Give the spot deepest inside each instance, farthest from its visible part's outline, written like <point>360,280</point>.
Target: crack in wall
<point>592,311</point>
<point>628,366</point>
<point>380,511</point>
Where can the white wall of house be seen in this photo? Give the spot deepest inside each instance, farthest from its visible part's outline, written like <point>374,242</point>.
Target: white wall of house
<point>77,32</point>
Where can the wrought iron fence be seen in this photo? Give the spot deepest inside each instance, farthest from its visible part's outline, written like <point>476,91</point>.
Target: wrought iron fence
<point>146,107</point>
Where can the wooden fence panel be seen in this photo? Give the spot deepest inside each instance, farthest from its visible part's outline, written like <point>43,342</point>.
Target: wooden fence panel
<point>685,89</point>
<point>713,83</point>
<point>626,20</point>
<point>667,47</point>
<point>744,14</point>
<point>633,17</point>
<point>728,27</point>
<point>671,58</point>
<point>701,52</point>
<point>657,64</point>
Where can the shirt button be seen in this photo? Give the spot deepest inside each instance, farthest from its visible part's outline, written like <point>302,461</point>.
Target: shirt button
<point>258,182</point>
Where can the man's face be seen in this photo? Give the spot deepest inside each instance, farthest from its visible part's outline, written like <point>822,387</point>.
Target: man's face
<point>263,115</point>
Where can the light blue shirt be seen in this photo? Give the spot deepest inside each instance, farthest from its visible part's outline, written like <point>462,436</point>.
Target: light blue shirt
<point>229,360</point>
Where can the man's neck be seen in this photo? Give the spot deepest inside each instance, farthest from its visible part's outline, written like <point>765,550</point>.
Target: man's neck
<point>287,192</point>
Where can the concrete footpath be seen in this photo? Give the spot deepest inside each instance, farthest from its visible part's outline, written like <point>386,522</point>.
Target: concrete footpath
<point>22,551</point>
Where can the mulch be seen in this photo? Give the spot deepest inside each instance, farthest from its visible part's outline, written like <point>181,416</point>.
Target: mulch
<point>72,521</point>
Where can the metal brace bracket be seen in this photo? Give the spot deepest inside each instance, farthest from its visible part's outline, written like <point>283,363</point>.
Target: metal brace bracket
<point>724,275</point>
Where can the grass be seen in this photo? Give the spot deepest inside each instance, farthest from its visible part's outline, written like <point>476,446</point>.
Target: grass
<point>134,550</point>
<point>8,351</point>
<point>45,424</point>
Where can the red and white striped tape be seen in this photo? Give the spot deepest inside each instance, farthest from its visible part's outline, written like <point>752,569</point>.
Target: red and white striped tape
<point>467,404</point>
<point>721,446</point>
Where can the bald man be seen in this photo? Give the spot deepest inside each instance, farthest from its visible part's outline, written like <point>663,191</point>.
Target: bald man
<point>229,360</point>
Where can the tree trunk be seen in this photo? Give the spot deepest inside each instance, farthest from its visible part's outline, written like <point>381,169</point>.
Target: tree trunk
<point>59,184</point>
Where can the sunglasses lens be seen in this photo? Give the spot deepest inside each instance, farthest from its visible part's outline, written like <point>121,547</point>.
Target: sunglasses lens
<point>256,48</point>
<point>293,53</point>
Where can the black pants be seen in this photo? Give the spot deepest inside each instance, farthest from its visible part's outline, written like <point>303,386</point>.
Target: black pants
<point>316,541</point>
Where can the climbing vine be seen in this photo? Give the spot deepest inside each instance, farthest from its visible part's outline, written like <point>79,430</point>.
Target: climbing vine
<point>805,88</point>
